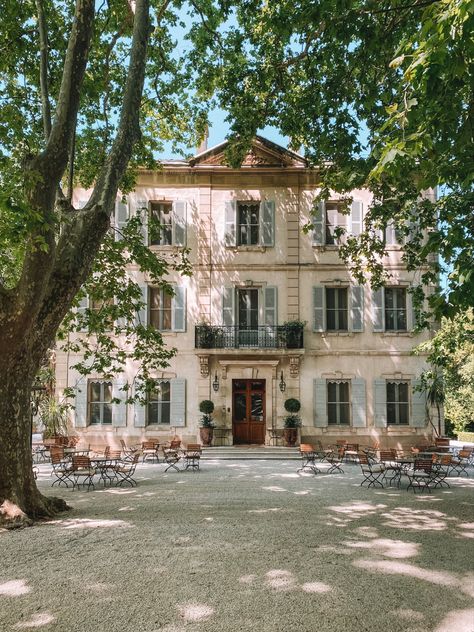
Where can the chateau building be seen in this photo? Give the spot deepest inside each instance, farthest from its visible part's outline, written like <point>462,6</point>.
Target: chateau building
<point>270,312</point>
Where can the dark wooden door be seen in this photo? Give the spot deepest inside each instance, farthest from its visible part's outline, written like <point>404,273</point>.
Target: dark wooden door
<point>248,411</point>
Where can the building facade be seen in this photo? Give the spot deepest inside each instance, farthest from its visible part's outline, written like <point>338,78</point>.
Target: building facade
<point>344,352</point>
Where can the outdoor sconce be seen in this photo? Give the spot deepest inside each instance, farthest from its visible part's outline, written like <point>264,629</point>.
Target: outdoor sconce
<point>215,384</point>
<point>282,383</point>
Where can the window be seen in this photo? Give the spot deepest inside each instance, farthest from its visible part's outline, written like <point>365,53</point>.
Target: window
<point>159,404</point>
<point>334,219</point>
<point>161,229</point>
<point>395,309</point>
<point>248,223</point>
<point>99,402</point>
<point>160,309</point>
<point>397,403</point>
<point>338,400</point>
<point>336,309</point>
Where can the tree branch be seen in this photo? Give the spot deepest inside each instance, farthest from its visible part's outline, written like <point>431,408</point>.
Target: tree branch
<point>44,83</point>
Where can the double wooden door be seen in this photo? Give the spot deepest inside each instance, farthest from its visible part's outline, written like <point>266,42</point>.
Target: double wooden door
<point>248,411</point>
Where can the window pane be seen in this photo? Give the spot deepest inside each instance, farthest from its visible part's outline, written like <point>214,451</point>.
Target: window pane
<point>166,320</point>
<point>165,391</point>
<point>344,391</point>
<point>330,298</point>
<point>154,297</point>
<point>332,390</point>
<point>403,413</point>
<point>94,414</point>
<point>403,391</point>
<point>402,320</point>
<point>345,413</point>
<point>332,413</point>
<point>331,320</point>
<point>389,320</point>
<point>152,413</point>
<point>165,413</point>
<point>240,407</point>
<point>389,298</point>
<point>391,413</point>
<point>254,235</point>
<point>257,407</point>
<point>342,298</point>
<point>95,391</point>
<point>343,321</point>
<point>107,391</point>
<point>107,414</point>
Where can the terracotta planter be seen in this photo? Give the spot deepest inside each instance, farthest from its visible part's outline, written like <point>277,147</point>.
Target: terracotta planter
<point>290,435</point>
<point>206,435</point>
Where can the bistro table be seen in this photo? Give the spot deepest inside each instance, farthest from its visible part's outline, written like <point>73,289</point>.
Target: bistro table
<point>104,464</point>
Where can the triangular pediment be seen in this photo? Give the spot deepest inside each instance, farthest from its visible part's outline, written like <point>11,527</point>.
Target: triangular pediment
<point>263,153</point>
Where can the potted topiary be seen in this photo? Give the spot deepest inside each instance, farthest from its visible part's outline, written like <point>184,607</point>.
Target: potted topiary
<point>206,431</point>
<point>292,421</point>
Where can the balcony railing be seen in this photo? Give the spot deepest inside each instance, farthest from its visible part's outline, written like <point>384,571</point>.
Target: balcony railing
<point>235,337</point>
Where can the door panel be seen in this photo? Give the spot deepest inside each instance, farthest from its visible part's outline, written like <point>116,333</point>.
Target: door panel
<point>248,411</point>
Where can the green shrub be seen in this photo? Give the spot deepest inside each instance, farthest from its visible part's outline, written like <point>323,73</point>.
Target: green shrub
<point>292,405</point>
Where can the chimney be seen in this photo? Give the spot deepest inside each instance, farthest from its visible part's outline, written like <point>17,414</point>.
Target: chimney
<point>203,145</point>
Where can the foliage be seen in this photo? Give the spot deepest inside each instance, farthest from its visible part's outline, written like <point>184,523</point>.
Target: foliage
<point>451,353</point>
<point>292,405</point>
<point>54,416</point>
<point>292,421</point>
<point>380,96</point>
<point>207,408</point>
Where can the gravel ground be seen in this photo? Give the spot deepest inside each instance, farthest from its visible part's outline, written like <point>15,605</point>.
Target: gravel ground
<point>244,546</point>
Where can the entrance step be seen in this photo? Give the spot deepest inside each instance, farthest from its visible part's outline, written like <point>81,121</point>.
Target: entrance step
<point>251,452</point>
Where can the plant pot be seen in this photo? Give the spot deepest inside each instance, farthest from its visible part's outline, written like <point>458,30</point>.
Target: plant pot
<point>290,435</point>
<point>206,435</point>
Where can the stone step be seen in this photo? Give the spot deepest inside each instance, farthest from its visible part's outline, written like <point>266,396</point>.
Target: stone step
<point>250,453</point>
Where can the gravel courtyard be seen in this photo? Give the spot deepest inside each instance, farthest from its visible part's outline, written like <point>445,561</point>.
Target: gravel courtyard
<point>244,546</point>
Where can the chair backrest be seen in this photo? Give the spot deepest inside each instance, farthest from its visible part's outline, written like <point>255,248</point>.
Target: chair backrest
<point>114,454</point>
<point>175,444</point>
<point>56,459</point>
<point>353,447</point>
<point>194,447</point>
<point>363,458</point>
<point>387,454</point>
<point>464,453</point>
<point>341,443</point>
<point>150,445</point>
<point>306,447</point>
<point>57,451</point>
<point>80,462</point>
<point>423,464</point>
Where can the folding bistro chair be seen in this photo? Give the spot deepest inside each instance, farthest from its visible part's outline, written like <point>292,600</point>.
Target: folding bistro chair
<point>150,451</point>
<point>308,458</point>
<point>61,470</point>
<point>393,470</point>
<point>192,456</point>
<point>82,469</point>
<point>460,462</point>
<point>335,457</point>
<point>422,476</point>
<point>124,471</point>
<point>372,471</point>
<point>172,457</point>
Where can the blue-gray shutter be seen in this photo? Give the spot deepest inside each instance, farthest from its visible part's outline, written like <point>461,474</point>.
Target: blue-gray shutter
<point>359,403</point>
<point>228,306</point>
<point>141,209</point>
<point>80,405</point>
<point>142,313</point>
<point>411,315</point>
<point>357,307</point>
<point>139,414</point>
<point>179,309</point>
<point>267,223</point>
<point>319,232</point>
<point>391,234</point>
<point>320,403</point>
<point>418,406</point>
<point>380,403</point>
<point>119,411</point>
<point>319,311</point>
<point>179,223</point>
<point>356,218</point>
<point>378,312</point>
<point>230,237</point>
<point>121,218</point>
<point>270,306</point>
<point>178,402</point>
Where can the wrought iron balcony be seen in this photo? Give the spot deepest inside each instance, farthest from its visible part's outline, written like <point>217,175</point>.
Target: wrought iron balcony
<point>261,337</point>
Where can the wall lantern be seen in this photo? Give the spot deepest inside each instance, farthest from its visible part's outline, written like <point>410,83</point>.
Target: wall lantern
<point>215,384</point>
<point>282,384</point>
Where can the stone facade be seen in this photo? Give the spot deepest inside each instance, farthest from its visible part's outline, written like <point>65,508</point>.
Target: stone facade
<point>254,269</point>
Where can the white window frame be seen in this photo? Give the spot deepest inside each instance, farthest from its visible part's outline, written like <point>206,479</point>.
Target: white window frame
<point>102,402</point>
<point>163,296</point>
<point>397,402</point>
<point>155,207</point>
<point>160,405</point>
<point>339,402</point>
<point>396,309</point>
<point>336,309</point>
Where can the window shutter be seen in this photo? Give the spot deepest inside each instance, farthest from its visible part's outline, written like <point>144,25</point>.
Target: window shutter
<point>228,309</point>
<point>142,313</point>
<point>141,209</point>
<point>411,315</point>
<point>319,238</point>
<point>359,404</point>
<point>230,237</point>
<point>121,218</point>
<point>80,405</point>
<point>356,218</point>
<point>267,223</point>
<point>320,403</point>
<point>357,308</point>
<point>119,411</point>
<point>380,403</point>
<point>391,234</point>
<point>178,402</point>
<point>179,223</point>
<point>139,414</point>
<point>319,315</point>
<point>418,406</point>
<point>179,309</point>
<point>378,313</point>
<point>271,306</point>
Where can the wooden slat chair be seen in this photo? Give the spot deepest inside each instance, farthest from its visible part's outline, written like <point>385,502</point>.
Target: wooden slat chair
<point>192,456</point>
<point>82,469</point>
<point>308,459</point>
<point>61,469</point>
<point>124,471</point>
<point>150,451</point>
<point>351,452</point>
<point>372,471</point>
<point>393,470</point>
<point>460,462</point>
<point>441,469</point>
<point>422,476</point>
<point>128,452</point>
<point>108,470</point>
<point>172,457</point>
<point>335,457</point>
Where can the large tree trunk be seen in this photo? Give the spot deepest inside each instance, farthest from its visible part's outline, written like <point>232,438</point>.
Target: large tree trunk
<point>20,500</point>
